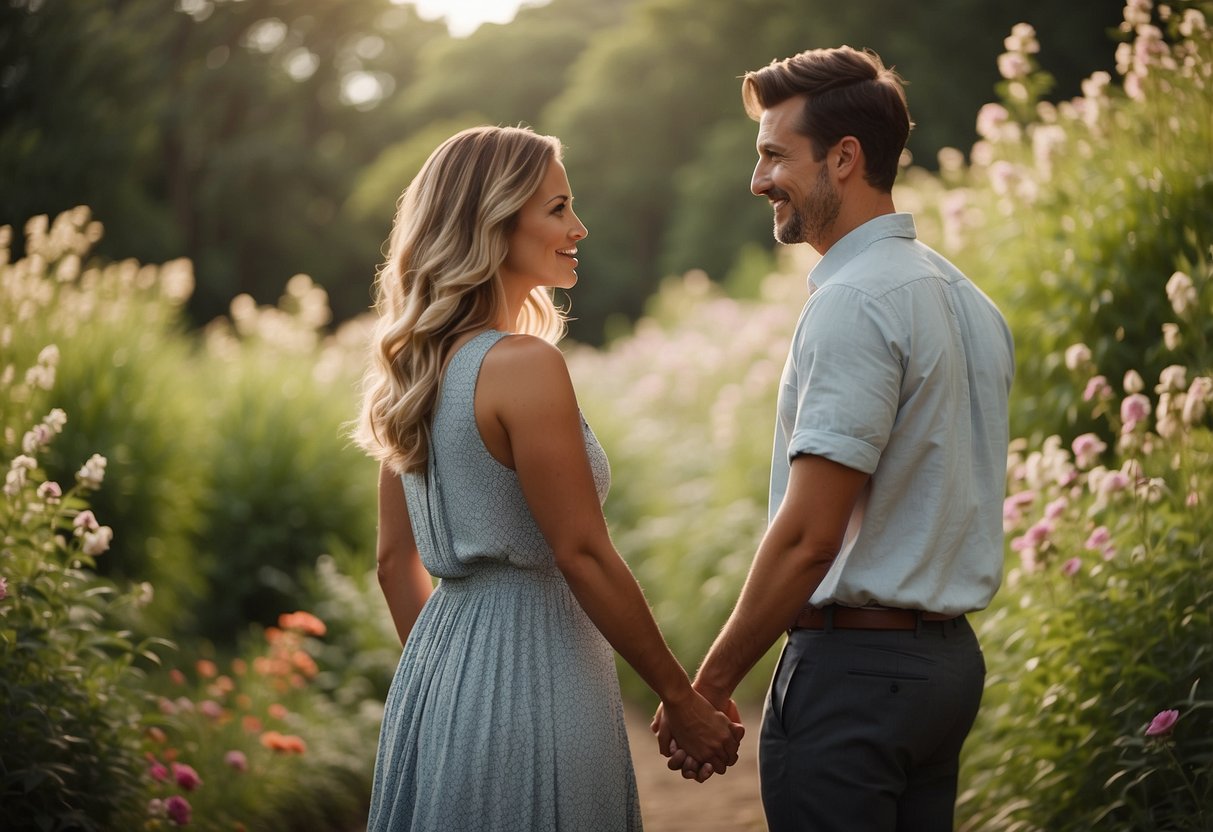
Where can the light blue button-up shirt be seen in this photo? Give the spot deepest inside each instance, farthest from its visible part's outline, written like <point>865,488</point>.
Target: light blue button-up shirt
<point>901,367</point>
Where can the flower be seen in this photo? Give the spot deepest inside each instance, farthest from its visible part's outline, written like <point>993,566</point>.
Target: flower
<point>1077,356</point>
<point>1133,382</point>
<point>1181,292</point>
<point>303,622</point>
<point>1172,379</point>
<point>1097,388</point>
<point>85,521</point>
<point>97,542</point>
<point>210,709</point>
<point>1013,65</point>
<point>1087,449</point>
<point>92,472</point>
<point>1070,568</point>
<point>50,492</point>
<point>157,771</point>
<point>236,759</point>
<point>1171,336</point>
<point>55,420</point>
<point>1098,538</point>
<point>206,668</point>
<point>283,743</point>
<point>186,777</point>
<point>178,809</point>
<point>156,808</point>
<point>990,120</point>
<point>1134,409</point>
<point>1162,723</point>
<point>3,588</point>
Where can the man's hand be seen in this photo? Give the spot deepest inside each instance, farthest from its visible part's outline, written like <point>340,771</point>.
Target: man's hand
<point>679,758</point>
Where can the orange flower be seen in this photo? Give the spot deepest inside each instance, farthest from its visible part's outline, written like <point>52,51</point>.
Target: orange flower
<point>283,743</point>
<point>273,634</point>
<point>206,668</point>
<point>239,667</point>
<point>305,663</point>
<point>251,723</point>
<point>176,676</point>
<point>157,735</point>
<point>303,622</point>
<point>278,711</point>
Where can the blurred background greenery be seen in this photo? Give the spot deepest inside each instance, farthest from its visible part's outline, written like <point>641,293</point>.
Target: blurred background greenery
<point>262,138</point>
<point>265,139</point>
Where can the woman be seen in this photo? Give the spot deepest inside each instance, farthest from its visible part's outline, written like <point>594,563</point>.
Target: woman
<point>505,712</point>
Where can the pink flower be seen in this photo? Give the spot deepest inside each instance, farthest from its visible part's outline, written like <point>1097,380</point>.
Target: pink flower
<point>236,759</point>
<point>1134,409</point>
<point>157,771</point>
<point>50,491</point>
<point>1087,449</point>
<point>1070,568</point>
<point>1038,533</point>
<point>1113,482</point>
<point>3,588</point>
<point>85,521</point>
<point>178,809</point>
<point>1056,508</point>
<point>210,709</point>
<point>1099,537</point>
<point>1162,723</point>
<point>1097,388</point>
<point>186,777</point>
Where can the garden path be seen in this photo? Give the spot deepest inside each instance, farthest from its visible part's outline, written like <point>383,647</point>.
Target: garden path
<point>671,804</point>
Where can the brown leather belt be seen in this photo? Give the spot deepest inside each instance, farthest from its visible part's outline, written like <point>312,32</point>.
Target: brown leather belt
<point>864,618</point>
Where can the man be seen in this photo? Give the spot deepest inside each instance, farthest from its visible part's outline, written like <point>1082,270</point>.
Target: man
<point>886,482</point>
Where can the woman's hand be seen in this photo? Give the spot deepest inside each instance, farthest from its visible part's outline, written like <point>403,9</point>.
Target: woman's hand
<point>702,739</point>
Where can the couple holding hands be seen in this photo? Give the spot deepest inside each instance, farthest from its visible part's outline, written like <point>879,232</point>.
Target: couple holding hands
<point>885,501</point>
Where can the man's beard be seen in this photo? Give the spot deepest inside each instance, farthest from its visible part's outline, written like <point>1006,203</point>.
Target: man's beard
<point>809,222</point>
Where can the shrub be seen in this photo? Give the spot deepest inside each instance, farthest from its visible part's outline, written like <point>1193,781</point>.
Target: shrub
<point>70,700</point>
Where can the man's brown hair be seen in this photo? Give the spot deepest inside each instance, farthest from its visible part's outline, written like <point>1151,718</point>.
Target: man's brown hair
<point>847,93</point>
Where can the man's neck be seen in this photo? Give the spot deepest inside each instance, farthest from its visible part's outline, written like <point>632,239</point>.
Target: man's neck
<point>858,209</point>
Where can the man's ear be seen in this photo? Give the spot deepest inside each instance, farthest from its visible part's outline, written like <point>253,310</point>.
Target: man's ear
<point>848,157</point>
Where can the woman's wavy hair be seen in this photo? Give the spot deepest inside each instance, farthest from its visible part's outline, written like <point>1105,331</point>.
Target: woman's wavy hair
<point>441,280</point>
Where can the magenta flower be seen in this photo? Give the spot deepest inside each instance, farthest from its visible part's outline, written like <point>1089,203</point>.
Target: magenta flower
<point>157,771</point>
<point>186,777</point>
<point>1071,567</point>
<point>178,809</point>
<point>1038,533</point>
<point>236,759</point>
<point>1056,508</point>
<point>1162,723</point>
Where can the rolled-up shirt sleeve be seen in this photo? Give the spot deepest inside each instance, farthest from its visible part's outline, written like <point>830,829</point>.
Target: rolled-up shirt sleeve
<point>848,361</point>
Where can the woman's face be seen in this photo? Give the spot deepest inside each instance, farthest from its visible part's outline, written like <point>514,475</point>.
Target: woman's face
<point>543,245</point>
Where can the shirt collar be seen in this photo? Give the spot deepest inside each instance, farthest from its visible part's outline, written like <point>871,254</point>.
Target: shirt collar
<point>843,251</point>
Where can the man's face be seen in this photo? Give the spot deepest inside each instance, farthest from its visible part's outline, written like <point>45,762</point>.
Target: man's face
<point>799,187</point>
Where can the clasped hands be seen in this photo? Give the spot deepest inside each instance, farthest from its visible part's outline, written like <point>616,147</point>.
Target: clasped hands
<point>698,737</point>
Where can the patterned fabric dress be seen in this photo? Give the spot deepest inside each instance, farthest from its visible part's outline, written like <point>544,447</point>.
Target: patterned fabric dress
<point>504,713</point>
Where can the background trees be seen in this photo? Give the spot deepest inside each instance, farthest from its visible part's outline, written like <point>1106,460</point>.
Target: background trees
<point>263,138</point>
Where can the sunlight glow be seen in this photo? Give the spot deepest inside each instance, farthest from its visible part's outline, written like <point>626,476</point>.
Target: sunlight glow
<point>463,16</point>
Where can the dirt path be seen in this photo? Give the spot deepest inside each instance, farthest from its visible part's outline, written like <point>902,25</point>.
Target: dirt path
<point>671,804</point>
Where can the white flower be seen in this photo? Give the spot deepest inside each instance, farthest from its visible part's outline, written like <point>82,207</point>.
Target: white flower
<point>1171,336</point>
<point>1077,356</point>
<point>92,472</point>
<point>990,120</point>
<point>85,521</point>
<point>1199,395</point>
<point>1094,86</point>
<point>49,356</point>
<point>1134,383</point>
<point>1172,379</point>
<point>1181,292</point>
<point>55,420</point>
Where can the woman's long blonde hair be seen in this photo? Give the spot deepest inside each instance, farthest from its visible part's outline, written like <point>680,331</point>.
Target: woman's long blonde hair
<point>441,280</point>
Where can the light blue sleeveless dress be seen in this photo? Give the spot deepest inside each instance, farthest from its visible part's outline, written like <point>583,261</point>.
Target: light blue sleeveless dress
<point>504,713</point>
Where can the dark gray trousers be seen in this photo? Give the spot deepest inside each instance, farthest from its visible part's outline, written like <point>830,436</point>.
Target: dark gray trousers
<point>863,728</point>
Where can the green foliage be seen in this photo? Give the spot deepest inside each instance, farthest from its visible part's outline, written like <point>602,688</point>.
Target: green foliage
<point>117,328</point>
<point>1106,620</point>
<point>70,692</point>
<point>1075,217</point>
<point>287,487</point>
